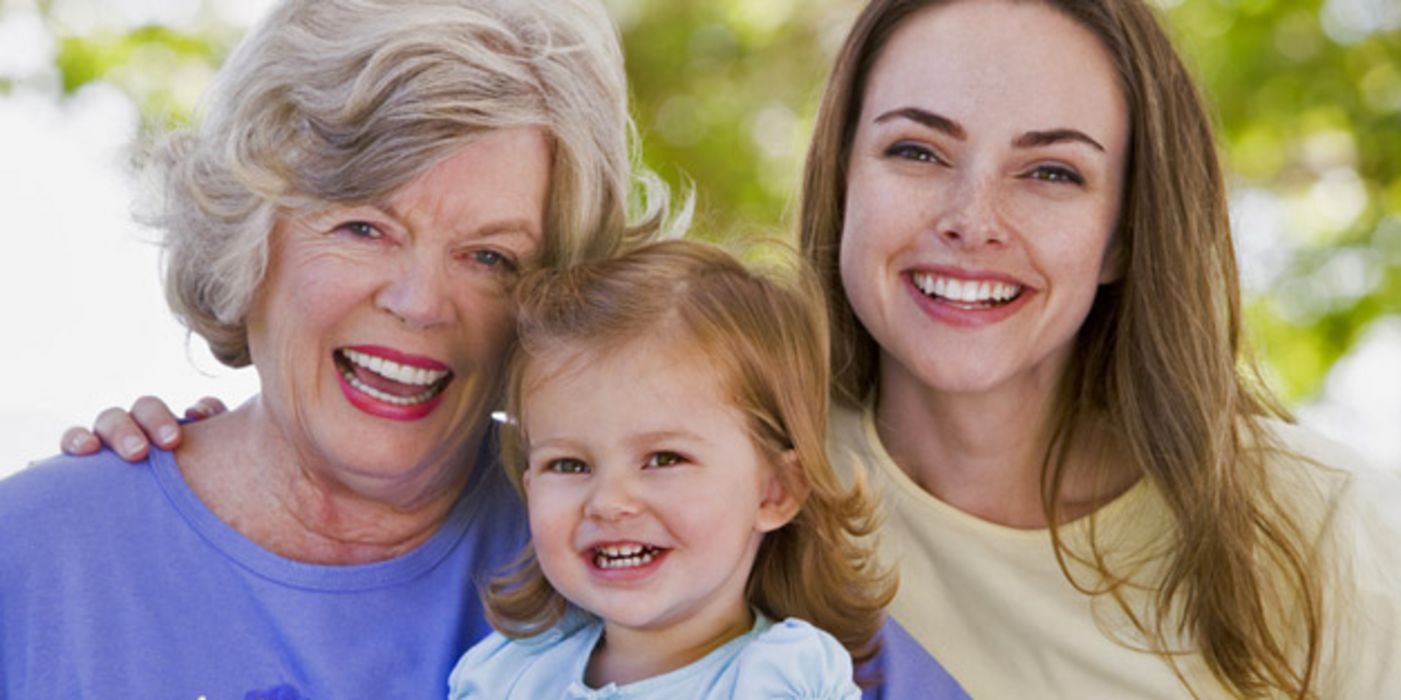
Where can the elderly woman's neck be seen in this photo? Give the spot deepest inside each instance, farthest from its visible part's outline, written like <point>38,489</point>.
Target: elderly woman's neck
<point>301,510</point>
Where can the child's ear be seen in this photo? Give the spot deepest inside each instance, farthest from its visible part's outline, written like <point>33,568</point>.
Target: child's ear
<point>784,493</point>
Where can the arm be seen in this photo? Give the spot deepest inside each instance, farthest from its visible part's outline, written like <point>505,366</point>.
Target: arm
<point>130,433</point>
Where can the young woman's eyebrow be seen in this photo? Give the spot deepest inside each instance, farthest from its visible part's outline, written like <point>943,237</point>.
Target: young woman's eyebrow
<point>937,122</point>
<point>1031,139</point>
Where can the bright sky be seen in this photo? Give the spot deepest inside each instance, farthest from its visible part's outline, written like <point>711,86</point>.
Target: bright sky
<point>83,311</point>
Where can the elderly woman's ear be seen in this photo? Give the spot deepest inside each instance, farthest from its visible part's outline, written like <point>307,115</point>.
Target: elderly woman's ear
<point>130,433</point>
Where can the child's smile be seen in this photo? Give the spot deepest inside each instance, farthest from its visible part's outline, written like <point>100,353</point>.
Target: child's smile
<point>624,558</point>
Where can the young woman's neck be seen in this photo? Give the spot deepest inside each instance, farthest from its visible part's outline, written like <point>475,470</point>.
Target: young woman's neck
<point>625,655</point>
<point>983,452</point>
<point>242,469</point>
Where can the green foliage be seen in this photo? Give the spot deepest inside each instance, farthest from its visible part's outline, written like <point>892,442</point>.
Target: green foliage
<point>1316,122</point>
<point>724,92</point>
<point>162,69</point>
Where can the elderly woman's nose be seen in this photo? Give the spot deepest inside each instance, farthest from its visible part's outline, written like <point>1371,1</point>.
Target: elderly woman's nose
<point>969,216</point>
<point>416,292</point>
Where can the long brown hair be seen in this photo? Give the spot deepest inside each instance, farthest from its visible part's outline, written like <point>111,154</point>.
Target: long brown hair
<point>766,340</point>
<point>1159,360</point>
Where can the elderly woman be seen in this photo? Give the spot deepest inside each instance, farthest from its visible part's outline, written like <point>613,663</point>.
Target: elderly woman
<point>368,179</point>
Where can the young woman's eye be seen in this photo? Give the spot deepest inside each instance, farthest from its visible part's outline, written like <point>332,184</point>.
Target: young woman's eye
<point>664,459</point>
<point>1056,173</point>
<point>905,150</point>
<point>360,229</point>
<point>567,465</point>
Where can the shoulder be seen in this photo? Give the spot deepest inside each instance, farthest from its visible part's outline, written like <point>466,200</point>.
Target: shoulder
<point>1351,490</point>
<point>793,659</point>
<point>851,446</point>
<point>499,666</point>
<point>57,489</point>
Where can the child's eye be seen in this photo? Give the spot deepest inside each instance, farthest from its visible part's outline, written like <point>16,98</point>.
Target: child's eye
<point>1056,173</point>
<point>567,465</point>
<point>664,459</point>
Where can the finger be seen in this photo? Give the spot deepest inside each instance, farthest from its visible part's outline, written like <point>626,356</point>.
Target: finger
<point>155,418</point>
<point>79,441</point>
<point>117,430</point>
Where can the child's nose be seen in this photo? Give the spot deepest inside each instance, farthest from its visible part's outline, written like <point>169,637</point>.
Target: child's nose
<point>612,498</point>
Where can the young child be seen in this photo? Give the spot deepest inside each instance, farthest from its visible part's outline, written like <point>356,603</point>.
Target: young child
<point>668,410</point>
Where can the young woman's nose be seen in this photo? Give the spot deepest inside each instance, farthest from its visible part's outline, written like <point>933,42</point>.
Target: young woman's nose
<point>612,497</point>
<point>969,217</point>
<point>416,293</point>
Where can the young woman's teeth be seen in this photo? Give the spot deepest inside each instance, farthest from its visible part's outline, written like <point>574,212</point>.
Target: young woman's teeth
<point>965,291</point>
<point>623,556</point>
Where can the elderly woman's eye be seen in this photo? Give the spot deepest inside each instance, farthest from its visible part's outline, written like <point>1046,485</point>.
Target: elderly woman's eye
<point>492,258</point>
<point>361,229</point>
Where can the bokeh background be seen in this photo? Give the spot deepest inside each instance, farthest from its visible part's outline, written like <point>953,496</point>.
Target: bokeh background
<point>1307,93</point>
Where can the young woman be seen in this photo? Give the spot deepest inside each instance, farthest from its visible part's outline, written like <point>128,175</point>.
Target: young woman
<point>1020,219</point>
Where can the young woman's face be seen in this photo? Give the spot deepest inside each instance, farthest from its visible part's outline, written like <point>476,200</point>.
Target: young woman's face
<point>982,194</point>
<point>647,496</point>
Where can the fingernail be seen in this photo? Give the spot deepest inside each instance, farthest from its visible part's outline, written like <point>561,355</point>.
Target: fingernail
<point>131,445</point>
<point>167,434</point>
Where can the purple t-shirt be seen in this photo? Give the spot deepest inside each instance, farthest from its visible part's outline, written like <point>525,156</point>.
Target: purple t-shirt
<point>116,581</point>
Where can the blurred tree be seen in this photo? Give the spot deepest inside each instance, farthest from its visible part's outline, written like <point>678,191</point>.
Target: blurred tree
<point>1308,94</point>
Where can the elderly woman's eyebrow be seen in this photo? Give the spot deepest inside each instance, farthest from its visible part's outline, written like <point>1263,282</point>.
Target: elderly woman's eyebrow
<point>508,228</point>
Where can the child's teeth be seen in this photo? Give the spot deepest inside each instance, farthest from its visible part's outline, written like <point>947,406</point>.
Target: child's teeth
<point>624,556</point>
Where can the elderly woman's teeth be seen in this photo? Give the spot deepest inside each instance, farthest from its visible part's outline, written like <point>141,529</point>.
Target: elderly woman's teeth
<point>387,397</point>
<point>965,291</point>
<point>623,556</point>
<point>393,371</point>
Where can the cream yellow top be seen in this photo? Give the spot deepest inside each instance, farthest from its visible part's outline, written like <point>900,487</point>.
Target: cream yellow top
<point>992,604</point>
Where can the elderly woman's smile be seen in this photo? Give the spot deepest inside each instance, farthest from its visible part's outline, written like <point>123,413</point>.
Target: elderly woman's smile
<point>380,330</point>
<point>390,384</point>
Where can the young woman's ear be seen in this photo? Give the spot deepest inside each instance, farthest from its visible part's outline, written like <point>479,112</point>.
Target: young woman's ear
<point>785,490</point>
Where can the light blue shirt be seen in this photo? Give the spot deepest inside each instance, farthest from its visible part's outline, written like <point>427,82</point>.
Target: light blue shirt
<point>789,659</point>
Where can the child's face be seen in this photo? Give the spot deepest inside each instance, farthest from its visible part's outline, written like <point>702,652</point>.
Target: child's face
<point>647,496</point>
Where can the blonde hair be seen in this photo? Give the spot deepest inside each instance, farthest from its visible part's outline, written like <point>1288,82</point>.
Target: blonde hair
<point>1160,359</point>
<point>344,101</point>
<point>766,340</point>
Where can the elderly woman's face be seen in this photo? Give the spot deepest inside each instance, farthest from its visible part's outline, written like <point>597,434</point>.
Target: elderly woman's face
<point>380,330</point>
